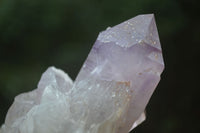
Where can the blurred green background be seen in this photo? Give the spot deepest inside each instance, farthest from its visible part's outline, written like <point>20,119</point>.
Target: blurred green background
<point>35,34</point>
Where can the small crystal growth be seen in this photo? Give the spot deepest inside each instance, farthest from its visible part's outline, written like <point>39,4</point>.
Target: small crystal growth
<point>109,94</point>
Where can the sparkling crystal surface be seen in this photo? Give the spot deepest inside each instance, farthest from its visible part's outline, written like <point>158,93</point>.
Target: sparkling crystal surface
<point>110,92</point>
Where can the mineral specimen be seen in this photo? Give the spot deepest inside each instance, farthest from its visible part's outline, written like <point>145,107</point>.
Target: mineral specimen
<point>109,94</point>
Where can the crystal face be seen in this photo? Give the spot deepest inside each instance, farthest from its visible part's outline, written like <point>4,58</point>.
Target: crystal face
<point>109,94</point>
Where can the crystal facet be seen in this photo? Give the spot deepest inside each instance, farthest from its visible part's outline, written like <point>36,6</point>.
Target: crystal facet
<point>109,94</point>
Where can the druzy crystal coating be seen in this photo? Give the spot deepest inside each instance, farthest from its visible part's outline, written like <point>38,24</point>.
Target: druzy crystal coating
<point>110,92</point>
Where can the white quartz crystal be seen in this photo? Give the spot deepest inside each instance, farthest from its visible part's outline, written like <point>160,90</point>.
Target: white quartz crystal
<point>90,106</point>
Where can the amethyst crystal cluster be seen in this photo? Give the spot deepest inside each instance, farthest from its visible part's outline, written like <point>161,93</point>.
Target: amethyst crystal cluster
<point>109,94</point>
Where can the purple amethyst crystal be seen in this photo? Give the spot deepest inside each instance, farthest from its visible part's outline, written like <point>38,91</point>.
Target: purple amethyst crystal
<point>109,94</point>
<point>131,53</point>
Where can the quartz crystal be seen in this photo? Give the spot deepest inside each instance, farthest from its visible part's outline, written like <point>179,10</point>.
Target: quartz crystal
<point>109,94</point>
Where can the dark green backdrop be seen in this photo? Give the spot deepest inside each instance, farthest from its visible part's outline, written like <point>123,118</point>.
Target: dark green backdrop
<point>35,34</point>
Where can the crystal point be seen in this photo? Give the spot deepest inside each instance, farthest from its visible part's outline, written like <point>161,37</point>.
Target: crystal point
<point>110,92</point>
